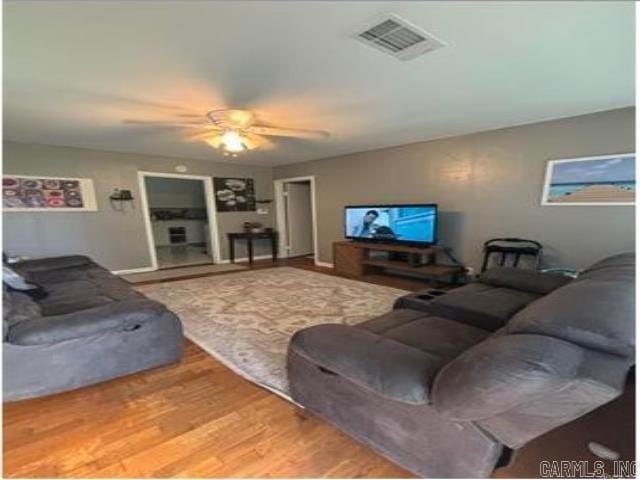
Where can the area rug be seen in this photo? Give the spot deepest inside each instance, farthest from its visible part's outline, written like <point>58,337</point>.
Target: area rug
<point>246,319</point>
<point>171,273</point>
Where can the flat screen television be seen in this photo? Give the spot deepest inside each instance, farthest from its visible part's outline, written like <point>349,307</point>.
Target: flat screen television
<point>414,224</point>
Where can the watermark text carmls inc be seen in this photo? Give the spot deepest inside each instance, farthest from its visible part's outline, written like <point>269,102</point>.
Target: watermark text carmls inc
<point>586,469</point>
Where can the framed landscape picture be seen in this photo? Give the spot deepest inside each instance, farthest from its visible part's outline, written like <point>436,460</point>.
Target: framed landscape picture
<point>22,193</point>
<point>234,194</point>
<point>603,180</point>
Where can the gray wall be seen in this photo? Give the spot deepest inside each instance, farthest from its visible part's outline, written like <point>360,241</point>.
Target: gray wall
<point>487,185</point>
<point>115,239</point>
<point>175,193</point>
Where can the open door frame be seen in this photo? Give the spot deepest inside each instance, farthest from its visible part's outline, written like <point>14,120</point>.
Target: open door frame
<point>278,189</point>
<point>210,201</point>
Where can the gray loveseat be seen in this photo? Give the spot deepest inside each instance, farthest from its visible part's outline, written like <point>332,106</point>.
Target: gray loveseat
<point>91,326</point>
<point>446,386</point>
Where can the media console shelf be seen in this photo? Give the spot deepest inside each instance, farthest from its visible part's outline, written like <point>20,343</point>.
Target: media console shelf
<point>354,259</point>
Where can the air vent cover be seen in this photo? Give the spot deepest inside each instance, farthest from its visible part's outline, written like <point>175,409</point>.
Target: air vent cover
<point>396,36</point>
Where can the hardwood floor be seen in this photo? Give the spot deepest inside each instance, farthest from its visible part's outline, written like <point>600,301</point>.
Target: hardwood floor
<point>195,419</point>
<point>199,419</point>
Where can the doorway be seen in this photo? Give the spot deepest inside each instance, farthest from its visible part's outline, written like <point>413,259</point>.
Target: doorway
<point>180,220</point>
<point>296,217</point>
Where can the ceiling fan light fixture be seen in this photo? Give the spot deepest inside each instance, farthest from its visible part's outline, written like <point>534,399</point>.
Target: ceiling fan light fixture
<point>232,142</point>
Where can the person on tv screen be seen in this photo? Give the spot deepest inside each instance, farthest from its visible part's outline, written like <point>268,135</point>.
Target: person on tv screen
<point>368,228</point>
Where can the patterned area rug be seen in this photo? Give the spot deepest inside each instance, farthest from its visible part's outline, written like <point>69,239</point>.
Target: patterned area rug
<point>246,319</point>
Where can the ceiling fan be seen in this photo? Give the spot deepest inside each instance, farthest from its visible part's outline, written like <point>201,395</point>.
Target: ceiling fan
<point>233,131</point>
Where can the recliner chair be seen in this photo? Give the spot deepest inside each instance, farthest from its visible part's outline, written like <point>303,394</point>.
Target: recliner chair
<point>444,386</point>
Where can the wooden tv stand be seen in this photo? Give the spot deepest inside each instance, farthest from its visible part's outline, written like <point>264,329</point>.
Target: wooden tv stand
<point>353,259</point>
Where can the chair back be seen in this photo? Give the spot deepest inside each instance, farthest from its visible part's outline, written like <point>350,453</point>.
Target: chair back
<point>511,250</point>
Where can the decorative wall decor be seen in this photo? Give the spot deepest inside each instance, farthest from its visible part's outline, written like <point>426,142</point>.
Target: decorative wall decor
<point>603,180</point>
<point>235,194</point>
<point>21,193</point>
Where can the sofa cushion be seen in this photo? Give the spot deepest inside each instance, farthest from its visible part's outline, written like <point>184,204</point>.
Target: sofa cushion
<point>18,307</point>
<point>382,366</point>
<point>85,272</point>
<point>121,316</point>
<point>391,320</point>
<point>61,306</point>
<point>71,295</point>
<point>597,311</point>
<point>440,338</point>
<point>52,263</point>
<point>480,305</point>
<point>395,356</point>
<point>526,280</point>
<point>617,267</point>
<point>622,261</point>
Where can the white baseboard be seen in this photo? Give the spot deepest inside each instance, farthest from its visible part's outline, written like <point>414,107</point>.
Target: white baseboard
<point>245,259</point>
<point>323,264</point>
<point>133,270</point>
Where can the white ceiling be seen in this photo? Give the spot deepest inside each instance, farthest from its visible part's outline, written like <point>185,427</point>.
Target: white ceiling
<point>73,71</point>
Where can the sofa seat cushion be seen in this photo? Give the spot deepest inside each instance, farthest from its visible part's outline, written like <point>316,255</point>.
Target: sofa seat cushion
<point>391,320</point>
<point>439,337</point>
<point>480,305</point>
<point>396,356</point>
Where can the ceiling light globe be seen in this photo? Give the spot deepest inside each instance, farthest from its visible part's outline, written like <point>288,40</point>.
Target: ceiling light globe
<point>232,141</point>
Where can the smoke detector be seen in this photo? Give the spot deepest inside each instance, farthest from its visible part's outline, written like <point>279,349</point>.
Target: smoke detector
<point>397,37</point>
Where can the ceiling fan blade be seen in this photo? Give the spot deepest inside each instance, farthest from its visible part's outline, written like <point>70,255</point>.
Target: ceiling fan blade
<point>231,118</point>
<point>188,124</point>
<point>204,135</point>
<point>287,132</point>
<point>190,115</point>
<point>252,141</point>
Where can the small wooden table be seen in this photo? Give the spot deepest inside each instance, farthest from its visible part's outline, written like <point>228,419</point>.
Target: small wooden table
<point>250,237</point>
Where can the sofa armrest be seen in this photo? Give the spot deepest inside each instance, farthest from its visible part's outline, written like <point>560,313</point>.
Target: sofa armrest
<point>123,316</point>
<point>518,387</point>
<point>418,300</point>
<point>51,263</point>
<point>383,366</point>
<point>525,280</point>
<point>502,373</point>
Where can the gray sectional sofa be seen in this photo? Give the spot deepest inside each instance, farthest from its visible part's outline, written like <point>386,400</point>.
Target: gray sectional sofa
<point>446,386</point>
<point>91,326</point>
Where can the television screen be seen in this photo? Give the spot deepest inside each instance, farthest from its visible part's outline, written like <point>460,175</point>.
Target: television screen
<point>392,223</point>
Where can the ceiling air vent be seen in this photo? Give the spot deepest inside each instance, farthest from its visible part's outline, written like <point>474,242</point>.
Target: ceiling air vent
<point>399,38</point>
